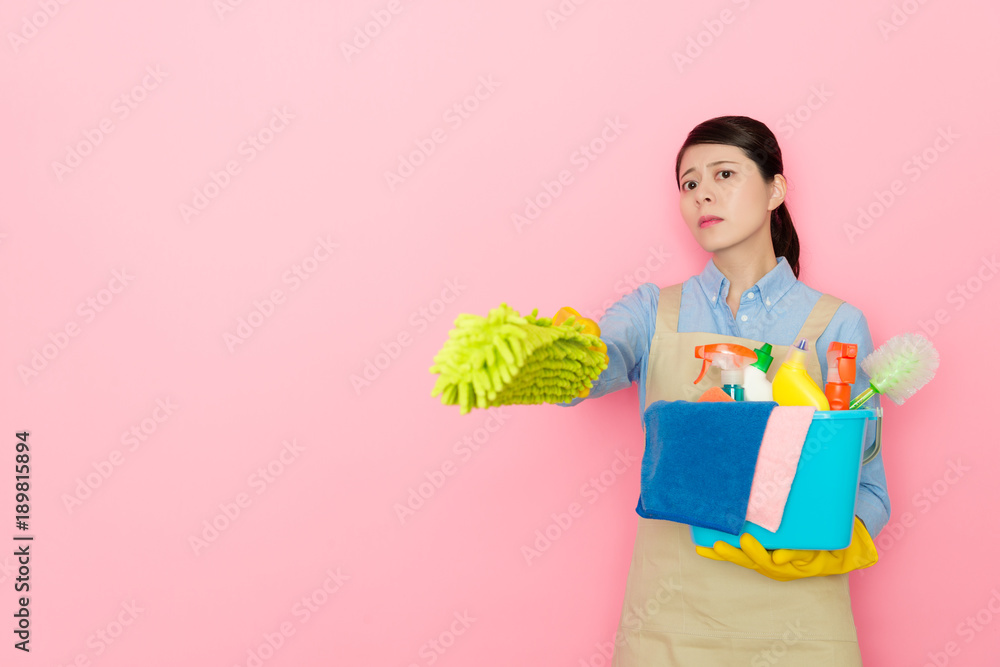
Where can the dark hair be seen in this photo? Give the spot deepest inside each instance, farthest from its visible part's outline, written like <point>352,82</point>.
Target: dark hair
<point>760,145</point>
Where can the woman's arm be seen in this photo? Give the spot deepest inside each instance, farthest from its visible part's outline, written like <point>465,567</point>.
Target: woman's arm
<point>872,507</point>
<point>626,328</point>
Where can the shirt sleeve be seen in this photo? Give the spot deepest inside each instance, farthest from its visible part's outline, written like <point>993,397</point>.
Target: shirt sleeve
<point>872,507</point>
<point>626,328</point>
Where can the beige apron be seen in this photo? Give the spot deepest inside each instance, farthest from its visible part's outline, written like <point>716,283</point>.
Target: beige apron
<point>684,609</point>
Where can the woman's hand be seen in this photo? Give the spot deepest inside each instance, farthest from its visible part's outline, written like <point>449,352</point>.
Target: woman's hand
<point>589,327</point>
<point>788,564</point>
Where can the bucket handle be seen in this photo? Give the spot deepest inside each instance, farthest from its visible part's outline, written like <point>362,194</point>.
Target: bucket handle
<point>877,447</point>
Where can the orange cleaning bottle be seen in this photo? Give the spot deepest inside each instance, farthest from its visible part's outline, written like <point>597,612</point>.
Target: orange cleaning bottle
<point>841,371</point>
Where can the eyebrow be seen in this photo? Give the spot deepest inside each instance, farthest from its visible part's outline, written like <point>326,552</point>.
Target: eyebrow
<point>710,164</point>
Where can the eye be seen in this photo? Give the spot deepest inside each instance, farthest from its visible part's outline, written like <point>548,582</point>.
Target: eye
<point>726,171</point>
<point>684,186</point>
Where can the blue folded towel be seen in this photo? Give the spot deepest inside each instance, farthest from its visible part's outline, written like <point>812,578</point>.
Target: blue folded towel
<point>699,461</point>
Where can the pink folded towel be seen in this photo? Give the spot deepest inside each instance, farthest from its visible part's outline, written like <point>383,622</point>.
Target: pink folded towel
<point>779,457</point>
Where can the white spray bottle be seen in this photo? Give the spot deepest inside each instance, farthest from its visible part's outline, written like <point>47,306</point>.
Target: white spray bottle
<point>756,386</point>
<point>731,360</point>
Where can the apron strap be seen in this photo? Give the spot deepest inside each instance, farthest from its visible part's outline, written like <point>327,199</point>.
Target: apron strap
<point>818,320</point>
<point>668,311</point>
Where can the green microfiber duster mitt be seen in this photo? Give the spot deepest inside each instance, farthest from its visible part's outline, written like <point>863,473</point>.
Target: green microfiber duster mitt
<point>506,359</point>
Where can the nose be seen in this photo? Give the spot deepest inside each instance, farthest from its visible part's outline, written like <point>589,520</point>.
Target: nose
<point>704,194</point>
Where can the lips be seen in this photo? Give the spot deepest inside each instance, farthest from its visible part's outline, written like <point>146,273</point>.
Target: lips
<point>708,220</point>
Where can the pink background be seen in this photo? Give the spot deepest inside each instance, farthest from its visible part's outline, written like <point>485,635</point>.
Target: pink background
<point>115,578</point>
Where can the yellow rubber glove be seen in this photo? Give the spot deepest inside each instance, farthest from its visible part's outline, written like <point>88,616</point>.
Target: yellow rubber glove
<point>589,327</point>
<point>788,564</point>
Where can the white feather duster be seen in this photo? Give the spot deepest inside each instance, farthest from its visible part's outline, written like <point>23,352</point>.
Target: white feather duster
<point>899,368</point>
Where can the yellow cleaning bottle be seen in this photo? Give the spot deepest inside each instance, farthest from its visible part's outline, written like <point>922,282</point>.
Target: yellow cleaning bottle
<point>792,384</point>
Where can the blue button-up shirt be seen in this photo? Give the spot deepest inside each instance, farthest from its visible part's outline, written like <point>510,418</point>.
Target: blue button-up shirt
<point>771,311</point>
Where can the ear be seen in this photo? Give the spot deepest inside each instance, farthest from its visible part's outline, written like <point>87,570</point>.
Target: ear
<point>779,186</point>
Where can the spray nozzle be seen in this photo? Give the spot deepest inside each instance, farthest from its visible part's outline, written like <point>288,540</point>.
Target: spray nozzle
<point>841,363</point>
<point>797,353</point>
<point>730,358</point>
<point>764,357</point>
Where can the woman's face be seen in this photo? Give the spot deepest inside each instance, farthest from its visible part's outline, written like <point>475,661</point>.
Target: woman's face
<point>724,200</point>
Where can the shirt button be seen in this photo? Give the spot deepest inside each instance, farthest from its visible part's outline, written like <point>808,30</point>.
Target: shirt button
<point>744,318</point>
<point>750,295</point>
<point>714,298</point>
<point>767,301</point>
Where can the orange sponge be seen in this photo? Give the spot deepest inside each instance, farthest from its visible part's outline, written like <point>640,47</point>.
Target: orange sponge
<point>715,395</point>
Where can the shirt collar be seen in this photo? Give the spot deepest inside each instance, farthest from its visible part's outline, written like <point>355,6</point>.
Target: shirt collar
<point>770,288</point>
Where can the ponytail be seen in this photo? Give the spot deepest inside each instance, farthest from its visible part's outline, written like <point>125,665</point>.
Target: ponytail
<point>784,239</point>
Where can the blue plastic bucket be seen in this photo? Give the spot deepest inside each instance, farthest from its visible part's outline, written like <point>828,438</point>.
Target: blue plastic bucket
<point>819,512</point>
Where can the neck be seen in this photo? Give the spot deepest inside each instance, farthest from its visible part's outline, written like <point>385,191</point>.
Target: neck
<point>744,269</point>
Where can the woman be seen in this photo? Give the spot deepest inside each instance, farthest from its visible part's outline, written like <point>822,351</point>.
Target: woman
<point>728,606</point>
